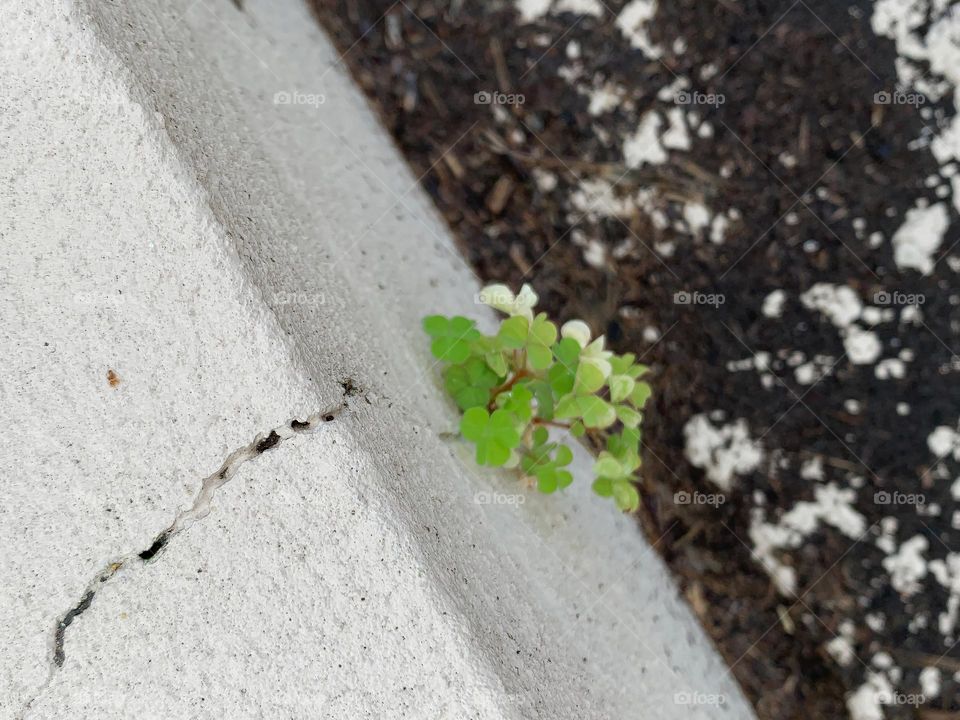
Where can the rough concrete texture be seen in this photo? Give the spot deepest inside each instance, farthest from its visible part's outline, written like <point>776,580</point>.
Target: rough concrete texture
<point>187,264</point>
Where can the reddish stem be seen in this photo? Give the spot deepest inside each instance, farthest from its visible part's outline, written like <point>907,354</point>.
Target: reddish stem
<point>551,423</point>
<point>521,374</point>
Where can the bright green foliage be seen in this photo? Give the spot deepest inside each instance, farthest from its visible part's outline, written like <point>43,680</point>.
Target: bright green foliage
<point>451,337</point>
<point>495,435</point>
<point>534,338</point>
<point>517,401</point>
<point>563,373</point>
<point>615,469</point>
<point>593,411</point>
<point>470,383</point>
<point>514,384</point>
<point>545,460</point>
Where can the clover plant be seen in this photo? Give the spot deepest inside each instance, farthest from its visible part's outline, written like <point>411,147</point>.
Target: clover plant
<point>527,377</point>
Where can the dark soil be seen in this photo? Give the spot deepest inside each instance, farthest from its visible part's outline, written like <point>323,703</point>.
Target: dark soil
<point>798,79</point>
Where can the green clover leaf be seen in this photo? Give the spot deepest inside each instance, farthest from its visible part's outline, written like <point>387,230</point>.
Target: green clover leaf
<point>550,479</point>
<point>513,332</point>
<point>492,352</point>
<point>519,402</point>
<point>625,447</point>
<point>624,365</point>
<point>546,468</point>
<point>594,367</point>
<point>620,387</point>
<point>639,395</point>
<point>595,412</point>
<point>543,334</point>
<point>615,467</point>
<point>620,364</point>
<point>543,394</point>
<point>608,466</point>
<point>589,378</point>
<point>562,375</point>
<point>517,333</point>
<point>637,371</point>
<point>451,337</point>
<point>470,384</point>
<point>540,436</point>
<point>628,416</point>
<point>615,479</point>
<point>626,496</point>
<point>497,362</point>
<point>603,487</point>
<point>625,443</point>
<point>494,435</point>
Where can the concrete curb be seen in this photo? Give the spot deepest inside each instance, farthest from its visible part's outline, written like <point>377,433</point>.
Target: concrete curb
<point>199,250</point>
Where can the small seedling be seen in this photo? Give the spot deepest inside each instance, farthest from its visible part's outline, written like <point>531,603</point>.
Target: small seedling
<point>527,377</point>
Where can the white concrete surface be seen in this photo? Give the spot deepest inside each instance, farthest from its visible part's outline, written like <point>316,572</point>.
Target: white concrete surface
<point>234,261</point>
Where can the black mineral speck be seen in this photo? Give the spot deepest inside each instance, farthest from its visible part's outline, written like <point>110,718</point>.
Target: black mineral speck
<point>156,547</point>
<point>271,440</point>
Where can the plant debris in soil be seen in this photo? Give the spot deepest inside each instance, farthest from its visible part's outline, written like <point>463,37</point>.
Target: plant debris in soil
<point>759,199</point>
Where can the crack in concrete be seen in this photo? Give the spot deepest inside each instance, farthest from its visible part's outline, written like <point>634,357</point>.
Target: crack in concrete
<point>184,520</point>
